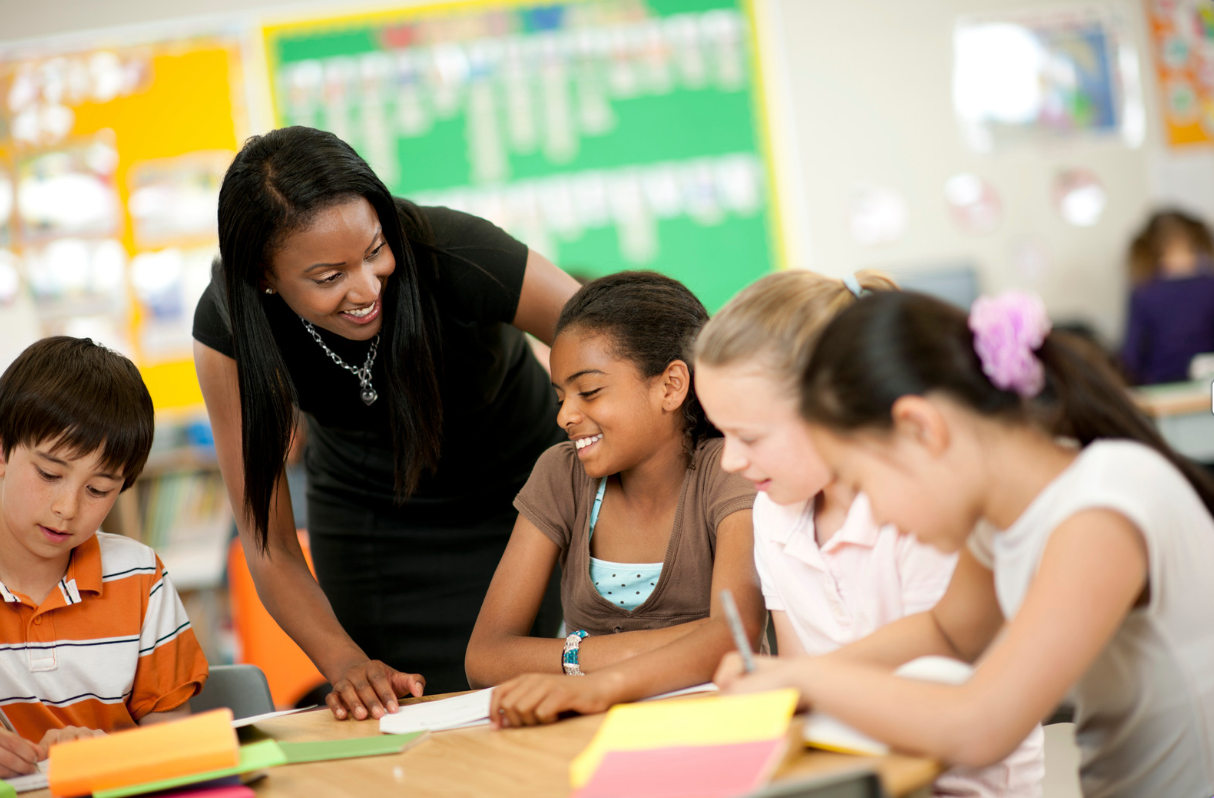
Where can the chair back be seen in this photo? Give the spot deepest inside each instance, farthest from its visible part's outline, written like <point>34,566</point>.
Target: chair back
<point>241,688</point>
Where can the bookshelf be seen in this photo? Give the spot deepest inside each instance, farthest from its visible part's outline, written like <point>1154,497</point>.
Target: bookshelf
<point>179,506</point>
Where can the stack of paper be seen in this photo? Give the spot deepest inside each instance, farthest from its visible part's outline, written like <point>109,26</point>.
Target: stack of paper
<point>200,751</point>
<point>269,753</point>
<point>703,747</point>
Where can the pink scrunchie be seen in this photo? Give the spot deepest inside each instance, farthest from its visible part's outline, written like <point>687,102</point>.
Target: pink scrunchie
<point>1007,330</point>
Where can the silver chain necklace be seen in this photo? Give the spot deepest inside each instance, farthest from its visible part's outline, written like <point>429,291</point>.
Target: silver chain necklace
<point>368,394</point>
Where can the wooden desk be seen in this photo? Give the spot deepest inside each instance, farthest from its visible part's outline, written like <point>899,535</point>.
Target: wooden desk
<point>528,763</point>
<point>1184,414</point>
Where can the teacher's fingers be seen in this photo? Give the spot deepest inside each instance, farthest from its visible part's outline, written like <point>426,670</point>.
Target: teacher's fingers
<point>382,683</point>
<point>356,695</point>
<point>337,706</point>
<point>407,684</point>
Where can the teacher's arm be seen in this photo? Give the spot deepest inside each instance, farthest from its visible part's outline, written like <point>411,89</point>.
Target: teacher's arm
<point>361,687</point>
<point>546,289</point>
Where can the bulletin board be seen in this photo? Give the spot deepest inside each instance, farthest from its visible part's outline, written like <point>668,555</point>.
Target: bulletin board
<point>111,160</point>
<point>1183,35</point>
<point>606,134</point>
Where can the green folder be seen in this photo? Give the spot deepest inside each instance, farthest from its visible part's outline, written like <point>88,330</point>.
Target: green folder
<point>6,790</point>
<point>270,753</point>
<point>348,749</point>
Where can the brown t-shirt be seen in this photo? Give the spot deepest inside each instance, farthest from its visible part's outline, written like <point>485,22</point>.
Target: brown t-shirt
<point>558,498</point>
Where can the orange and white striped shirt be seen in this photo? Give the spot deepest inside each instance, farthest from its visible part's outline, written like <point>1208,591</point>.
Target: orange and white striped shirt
<point>110,644</point>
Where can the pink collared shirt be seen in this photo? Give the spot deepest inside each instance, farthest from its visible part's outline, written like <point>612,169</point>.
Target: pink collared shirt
<point>862,579</point>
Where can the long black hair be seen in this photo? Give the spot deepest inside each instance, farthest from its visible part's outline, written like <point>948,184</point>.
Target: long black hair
<point>276,186</point>
<point>653,320</point>
<point>894,344</point>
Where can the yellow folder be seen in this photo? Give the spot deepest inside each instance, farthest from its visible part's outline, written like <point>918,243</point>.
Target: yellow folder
<point>163,751</point>
<point>714,720</point>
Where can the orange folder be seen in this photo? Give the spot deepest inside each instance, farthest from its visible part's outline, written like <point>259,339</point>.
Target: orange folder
<point>163,751</point>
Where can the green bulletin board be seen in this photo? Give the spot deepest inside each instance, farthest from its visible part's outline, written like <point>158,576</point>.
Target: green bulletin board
<point>606,134</point>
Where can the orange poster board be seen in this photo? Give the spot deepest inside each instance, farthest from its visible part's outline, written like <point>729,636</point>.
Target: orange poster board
<point>1182,32</point>
<point>112,157</point>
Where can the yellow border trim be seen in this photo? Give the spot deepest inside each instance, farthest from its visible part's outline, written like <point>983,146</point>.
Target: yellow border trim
<point>763,134</point>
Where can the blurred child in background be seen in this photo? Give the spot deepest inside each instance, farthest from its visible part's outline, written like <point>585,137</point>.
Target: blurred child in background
<point>1172,306</point>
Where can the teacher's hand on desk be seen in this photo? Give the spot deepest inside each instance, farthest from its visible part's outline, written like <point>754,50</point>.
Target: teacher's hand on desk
<point>536,698</point>
<point>370,688</point>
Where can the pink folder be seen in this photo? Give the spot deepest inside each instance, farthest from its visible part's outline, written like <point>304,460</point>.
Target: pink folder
<point>705,771</point>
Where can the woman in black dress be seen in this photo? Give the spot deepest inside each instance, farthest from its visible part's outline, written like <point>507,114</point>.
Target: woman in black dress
<point>397,331</point>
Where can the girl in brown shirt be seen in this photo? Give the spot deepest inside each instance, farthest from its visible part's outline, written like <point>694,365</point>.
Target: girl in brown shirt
<point>637,495</point>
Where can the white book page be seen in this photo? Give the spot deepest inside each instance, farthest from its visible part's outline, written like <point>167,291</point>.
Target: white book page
<point>706,687</point>
<point>449,713</point>
<point>34,781</point>
<point>240,723</point>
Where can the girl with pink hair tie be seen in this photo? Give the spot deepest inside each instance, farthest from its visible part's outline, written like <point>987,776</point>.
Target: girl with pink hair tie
<point>1085,545</point>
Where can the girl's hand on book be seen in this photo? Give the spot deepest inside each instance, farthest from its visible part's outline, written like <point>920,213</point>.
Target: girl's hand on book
<point>537,698</point>
<point>67,734</point>
<point>370,689</point>
<point>18,756</point>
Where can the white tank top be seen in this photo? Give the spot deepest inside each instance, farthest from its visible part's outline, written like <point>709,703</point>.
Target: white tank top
<point>1144,711</point>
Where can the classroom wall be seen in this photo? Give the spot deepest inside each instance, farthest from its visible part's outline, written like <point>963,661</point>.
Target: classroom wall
<point>869,82</point>
<point>862,94</point>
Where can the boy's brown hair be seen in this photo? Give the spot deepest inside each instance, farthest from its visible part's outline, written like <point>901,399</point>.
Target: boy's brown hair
<point>79,397</point>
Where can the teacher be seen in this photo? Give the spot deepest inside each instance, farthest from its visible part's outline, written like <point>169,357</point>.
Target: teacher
<point>397,331</point>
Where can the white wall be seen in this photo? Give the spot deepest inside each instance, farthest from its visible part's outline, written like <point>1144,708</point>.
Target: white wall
<point>870,85</point>
<point>866,88</point>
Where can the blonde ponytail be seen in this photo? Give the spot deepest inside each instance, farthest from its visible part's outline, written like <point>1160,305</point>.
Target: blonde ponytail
<point>778,318</point>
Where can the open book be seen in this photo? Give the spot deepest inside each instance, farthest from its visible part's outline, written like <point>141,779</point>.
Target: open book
<point>823,731</point>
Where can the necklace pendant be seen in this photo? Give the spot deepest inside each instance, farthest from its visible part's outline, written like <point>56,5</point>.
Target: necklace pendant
<point>369,396</point>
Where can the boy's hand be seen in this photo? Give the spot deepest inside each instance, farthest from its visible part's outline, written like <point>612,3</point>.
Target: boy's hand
<point>18,756</point>
<point>370,689</point>
<point>536,698</point>
<point>67,734</point>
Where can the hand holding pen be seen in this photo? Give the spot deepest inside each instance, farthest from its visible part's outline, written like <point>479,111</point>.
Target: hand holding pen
<point>738,631</point>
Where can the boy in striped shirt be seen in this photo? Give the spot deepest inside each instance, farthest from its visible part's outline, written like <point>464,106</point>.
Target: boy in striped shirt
<point>93,637</point>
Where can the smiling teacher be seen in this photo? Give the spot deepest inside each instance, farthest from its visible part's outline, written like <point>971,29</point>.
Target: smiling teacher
<point>397,331</point>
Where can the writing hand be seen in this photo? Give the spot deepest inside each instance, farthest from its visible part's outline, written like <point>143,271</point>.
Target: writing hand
<point>770,674</point>
<point>18,756</point>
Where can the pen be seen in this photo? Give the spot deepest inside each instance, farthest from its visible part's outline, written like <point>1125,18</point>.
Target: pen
<point>739,632</point>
